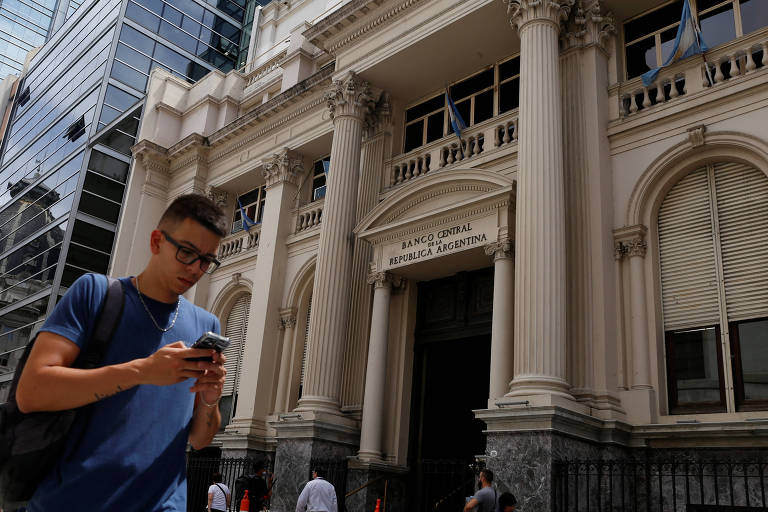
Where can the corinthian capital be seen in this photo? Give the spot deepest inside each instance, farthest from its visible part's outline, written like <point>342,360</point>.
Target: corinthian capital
<point>384,279</point>
<point>284,166</point>
<point>502,249</point>
<point>218,196</point>
<point>588,26</point>
<point>350,96</point>
<point>637,247</point>
<point>522,12</point>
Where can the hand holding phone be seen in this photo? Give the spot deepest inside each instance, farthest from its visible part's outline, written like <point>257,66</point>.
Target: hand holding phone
<point>210,340</point>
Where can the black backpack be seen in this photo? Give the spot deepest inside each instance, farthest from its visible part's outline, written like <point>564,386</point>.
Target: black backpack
<point>32,444</point>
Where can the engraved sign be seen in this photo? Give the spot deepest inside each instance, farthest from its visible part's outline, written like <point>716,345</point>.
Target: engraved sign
<point>440,242</point>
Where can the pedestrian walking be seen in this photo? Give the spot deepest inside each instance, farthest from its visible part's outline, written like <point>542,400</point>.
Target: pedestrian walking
<point>219,496</point>
<point>253,482</point>
<point>318,495</point>
<point>507,502</point>
<point>148,399</point>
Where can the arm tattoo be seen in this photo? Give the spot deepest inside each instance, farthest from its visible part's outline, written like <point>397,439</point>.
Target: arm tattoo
<point>102,396</point>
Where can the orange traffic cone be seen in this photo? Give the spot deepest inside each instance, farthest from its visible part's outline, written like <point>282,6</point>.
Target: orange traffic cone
<point>378,505</point>
<point>245,503</point>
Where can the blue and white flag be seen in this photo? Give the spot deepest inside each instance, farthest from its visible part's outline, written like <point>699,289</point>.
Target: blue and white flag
<point>457,123</point>
<point>687,42</point>
<point>247,221</point>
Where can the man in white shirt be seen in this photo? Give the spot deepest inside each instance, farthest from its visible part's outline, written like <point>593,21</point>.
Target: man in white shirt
<point>318,495</point>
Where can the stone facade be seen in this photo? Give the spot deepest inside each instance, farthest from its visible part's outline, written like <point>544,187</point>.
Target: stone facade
<point>559,193</point>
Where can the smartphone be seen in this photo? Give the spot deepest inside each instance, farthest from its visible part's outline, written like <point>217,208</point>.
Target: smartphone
<point>210,340</point>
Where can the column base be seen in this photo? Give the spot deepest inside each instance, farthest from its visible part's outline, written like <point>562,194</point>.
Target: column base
<point>319,404</point>
<point>530,385</point>
<point>391,489</point>
<point>303,439</point>
<point>246,438</point>
<point>529,441</point>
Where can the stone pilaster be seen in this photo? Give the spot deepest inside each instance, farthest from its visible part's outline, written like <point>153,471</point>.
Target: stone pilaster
<point>636,248</point>
<point>261,355</point>
<point>349,102</point>
<point>376,374</point>
<point>502,328</point>
<point>288,328</point>
<point>540,294</point>
<point>376,142</point>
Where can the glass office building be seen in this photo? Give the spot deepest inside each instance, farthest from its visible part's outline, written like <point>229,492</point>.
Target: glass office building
<point>66,156</point>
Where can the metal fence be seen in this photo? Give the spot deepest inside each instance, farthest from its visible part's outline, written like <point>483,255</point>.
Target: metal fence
<point>199,478</point>
<point>662,486</point>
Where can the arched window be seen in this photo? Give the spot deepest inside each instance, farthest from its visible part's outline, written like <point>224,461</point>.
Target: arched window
<point>713,243</point>
<point>235,330</point>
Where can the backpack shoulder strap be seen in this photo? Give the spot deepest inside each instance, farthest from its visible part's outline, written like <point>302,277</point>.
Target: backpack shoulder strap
<point>106,324</point>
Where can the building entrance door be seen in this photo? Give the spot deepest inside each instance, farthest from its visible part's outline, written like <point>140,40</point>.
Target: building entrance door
<point>452,359</point>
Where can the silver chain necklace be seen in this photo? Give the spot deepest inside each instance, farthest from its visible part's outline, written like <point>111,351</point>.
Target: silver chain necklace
<point>175,316</point>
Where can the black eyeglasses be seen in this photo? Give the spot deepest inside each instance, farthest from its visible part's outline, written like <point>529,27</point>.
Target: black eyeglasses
<point>188,256</point>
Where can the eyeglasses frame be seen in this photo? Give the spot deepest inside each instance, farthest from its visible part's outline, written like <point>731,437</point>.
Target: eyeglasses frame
<point>201,258</point>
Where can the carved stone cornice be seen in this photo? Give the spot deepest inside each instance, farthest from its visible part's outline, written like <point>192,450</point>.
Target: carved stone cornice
<point>384,279</point>
<point>152,156</point>
<point>286,166</point>
<point>287,318</point>
<point>588,26</point>
<point>219,196</point>
<point>522,12</point>
<point>350,97</point>
<point>502,249</point>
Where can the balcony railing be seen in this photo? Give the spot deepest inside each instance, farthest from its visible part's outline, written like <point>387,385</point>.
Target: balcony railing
<point>478,140</point>
<point>725,64</point>
<point>309,216</point>
<point>240,242</point>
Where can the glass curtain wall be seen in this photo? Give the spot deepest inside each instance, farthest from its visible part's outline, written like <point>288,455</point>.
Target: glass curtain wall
<point>67,157</point>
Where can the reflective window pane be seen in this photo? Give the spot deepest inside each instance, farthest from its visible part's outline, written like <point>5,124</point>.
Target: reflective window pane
<point>753,359</point>
<point>718,26</point>
<point>414,136</point>
<point>641,57</point>
<point>99,207</point>
<point>754,15</point>
<point>108,166</point>
<point>694,370</point>
<point>93,236</point>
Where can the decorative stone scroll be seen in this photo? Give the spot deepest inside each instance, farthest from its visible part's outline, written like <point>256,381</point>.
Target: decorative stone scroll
<point>219,196</point>
<point>287,318</point>
<point>384,279</point>
<point>589,26</point>
<point>286,166</point>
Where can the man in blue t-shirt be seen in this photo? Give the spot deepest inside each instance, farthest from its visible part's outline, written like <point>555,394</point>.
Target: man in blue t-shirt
<point>144,407</point>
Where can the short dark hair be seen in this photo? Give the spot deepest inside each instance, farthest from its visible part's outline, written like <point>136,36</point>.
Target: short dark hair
<point>196,207</point>
<point>258,465</point>
<point>217,478</point>
<point>507,499</point>
<point>488,474</point>
<point>319,470</point>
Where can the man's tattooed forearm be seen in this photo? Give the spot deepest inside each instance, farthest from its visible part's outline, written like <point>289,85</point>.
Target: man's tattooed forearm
<point>102,396</point>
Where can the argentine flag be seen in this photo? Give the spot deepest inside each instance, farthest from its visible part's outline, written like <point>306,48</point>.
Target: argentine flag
<point>457,123</point>
<point>247,221</point>
<point>687,42</point>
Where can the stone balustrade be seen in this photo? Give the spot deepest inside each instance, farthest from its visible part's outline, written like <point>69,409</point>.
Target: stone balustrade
<point>240,242</point>
<point>309,216</point>
<point>738,59</point>
<point>475,141</point>
<point>725,64</point>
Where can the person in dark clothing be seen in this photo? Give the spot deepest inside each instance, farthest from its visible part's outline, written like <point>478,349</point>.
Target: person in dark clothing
<point>507,502</point>
<point>258,490</point>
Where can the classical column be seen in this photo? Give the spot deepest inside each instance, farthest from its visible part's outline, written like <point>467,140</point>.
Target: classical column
<point>641,373</point>
<point>376,141</point>
<point>502,328</point>
<point>540,294</point>
<point>288,327</point>
<point>261,354</point>
<point>349,103</point>
<point>376,374</point>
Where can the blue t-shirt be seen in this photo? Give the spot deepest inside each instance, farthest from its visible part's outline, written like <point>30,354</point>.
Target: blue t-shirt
<point>132,454</point>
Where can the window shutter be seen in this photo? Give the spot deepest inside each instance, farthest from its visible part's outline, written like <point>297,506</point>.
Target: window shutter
<point>687,255</point>
<point>306,343</point>
<point>237,326</point>
<point>742,212</point>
